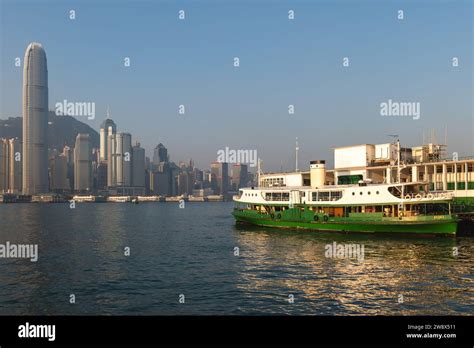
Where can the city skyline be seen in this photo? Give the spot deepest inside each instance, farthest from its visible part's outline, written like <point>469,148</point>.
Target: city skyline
<point>116,167</point>
<point>192,65</point>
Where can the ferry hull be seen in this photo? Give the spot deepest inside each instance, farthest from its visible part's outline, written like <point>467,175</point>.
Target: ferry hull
<point>443,227</point>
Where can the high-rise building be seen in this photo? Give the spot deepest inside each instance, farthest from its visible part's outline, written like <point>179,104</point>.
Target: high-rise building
<point>124,164</point>
<point>83,164</point>
<point>111,160</point>
<point>220,177</point>
<point>10,165</point>
<point>14,166</point>
<point>239,176</point>
<point>4,165</point>
<point>107,128</point>
<point>147,163</point>
<point>185,183</point>
<point>160,183</point>
<point>160,154</point>
<point>163,174</point>
<point>138,166</point>
<point>119,169</point>
<point>35,120</point>
<point>68,153</point>
<point>59,174</point>
<point>101,176</point>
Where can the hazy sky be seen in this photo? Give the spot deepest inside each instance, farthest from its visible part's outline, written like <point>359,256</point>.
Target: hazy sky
<point>282,62</point>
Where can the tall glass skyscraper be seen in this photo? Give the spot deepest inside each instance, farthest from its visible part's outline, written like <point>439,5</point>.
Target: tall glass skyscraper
<point>35,120</point>
<point>107,128</point>
<point>82,164</point>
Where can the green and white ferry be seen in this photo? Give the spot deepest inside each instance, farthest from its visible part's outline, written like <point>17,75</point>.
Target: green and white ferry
<point>363,207</point>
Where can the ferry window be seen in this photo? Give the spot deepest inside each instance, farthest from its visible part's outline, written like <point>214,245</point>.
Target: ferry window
<point>314,196</point>
<point>276,196</point>
<point>360,193</point>
<point>368,193</point>
<point>336,195</point>
<point>377,192</point>
<point>323,196</point>
<point>353,193</point>
<point>285,196</point>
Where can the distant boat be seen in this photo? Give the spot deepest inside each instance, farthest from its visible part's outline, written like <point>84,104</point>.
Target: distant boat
<point>120,200</point>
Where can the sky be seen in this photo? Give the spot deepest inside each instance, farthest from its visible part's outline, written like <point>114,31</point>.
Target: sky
<point>190,62</point>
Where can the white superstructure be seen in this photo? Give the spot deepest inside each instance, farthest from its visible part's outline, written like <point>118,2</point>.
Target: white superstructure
<point>339,195</point>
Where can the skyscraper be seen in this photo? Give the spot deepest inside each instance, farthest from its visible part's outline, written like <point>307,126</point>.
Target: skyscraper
<point>220,177</point>
<point>160,154</point>
<point>69,154</point>
<point>138,166</point>
<point>14,166</point>
<point>119,169</point>
<point>108,127</point>
<point>35,120</point>
<point>185,183</point>
<point>3,165</point>
<point>239,176</point>
<point>10,165</point>
<point>82,164</point>
<point>58,170</point>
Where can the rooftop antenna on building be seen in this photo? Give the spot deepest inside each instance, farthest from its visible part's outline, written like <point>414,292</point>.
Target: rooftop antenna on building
<point>108,112</point>
<point>296,157</point>
<point>446,135</point>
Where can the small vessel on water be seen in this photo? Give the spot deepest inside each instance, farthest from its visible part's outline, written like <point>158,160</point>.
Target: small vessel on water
<point>393,208</point>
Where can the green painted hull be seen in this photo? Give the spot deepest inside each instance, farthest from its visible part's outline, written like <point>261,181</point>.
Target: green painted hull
<point>446,225</point>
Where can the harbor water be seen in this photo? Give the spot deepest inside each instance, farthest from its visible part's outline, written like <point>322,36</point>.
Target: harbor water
<point>160,259</point>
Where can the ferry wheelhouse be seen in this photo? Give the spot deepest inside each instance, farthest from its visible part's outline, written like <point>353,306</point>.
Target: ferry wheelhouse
<point>363,207</point>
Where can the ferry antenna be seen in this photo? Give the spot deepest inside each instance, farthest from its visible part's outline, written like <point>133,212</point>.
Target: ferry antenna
<point>296,155</point>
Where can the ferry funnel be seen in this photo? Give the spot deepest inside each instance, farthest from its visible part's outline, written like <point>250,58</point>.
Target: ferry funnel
<point>317,173</point>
